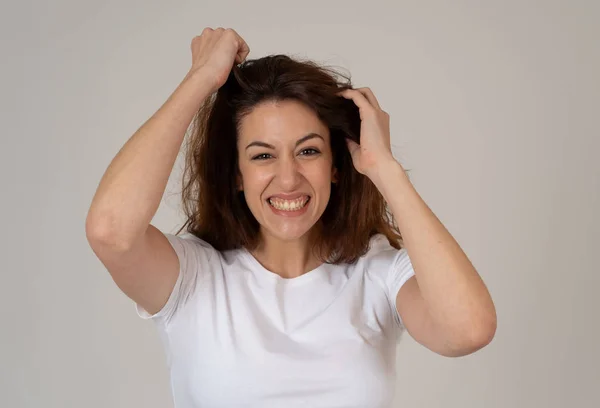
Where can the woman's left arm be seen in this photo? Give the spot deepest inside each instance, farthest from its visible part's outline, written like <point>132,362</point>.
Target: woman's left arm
<point>446,306</point>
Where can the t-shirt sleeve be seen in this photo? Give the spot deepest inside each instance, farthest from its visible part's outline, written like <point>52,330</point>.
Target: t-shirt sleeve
<point>195,256</point>
<point>394,268</point>
<point>400,272</point>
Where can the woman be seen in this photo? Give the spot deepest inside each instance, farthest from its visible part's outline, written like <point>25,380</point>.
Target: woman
<point>292,284</point>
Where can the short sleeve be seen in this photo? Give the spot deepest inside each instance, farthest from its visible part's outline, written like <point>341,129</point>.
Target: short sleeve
<point>393,268</point>
<point>400,272</point>
<point>195,256</point>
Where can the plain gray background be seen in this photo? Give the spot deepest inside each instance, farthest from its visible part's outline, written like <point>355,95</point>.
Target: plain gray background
<point>494,107</point>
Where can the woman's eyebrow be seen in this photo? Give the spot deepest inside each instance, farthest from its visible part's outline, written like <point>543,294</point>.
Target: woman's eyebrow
<point>308,137</point>
<point>298,142</point>
<point>261,144</point>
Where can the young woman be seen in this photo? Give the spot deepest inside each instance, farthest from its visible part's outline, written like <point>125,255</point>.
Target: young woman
<point>307,250</point>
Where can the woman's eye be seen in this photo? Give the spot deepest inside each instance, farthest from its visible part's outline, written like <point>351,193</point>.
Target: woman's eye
<point>313,152</point>
<point>261,156</point>
<point>304,152</point>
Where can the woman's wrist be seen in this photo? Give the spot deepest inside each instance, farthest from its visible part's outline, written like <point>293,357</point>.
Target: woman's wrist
<point>203,79</point>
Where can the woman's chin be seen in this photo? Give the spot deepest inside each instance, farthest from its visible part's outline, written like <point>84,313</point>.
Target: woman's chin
<point>288,232</point>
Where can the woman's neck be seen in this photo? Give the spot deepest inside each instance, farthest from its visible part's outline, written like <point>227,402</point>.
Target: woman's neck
<point>289,259</point>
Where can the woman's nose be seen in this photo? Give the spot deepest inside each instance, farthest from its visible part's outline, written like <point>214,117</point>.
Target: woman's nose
<point>288,173</point>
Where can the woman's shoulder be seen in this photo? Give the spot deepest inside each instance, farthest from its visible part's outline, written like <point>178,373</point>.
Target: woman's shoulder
<point>379,245</point>
<point>189,239</point>
<point>191,247</point>
<point>381,255</point>
<point>199,245</point>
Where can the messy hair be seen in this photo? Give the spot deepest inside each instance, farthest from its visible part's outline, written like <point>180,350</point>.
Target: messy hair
<point>216,210</point>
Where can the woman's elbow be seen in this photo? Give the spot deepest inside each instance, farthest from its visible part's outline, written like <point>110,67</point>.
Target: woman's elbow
<point>473,338</point>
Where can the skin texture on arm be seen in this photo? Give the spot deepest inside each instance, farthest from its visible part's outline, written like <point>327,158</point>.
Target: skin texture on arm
<point>446,306</point>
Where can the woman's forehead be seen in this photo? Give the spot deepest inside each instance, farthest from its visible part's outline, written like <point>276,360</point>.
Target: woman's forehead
<point>280,119</point>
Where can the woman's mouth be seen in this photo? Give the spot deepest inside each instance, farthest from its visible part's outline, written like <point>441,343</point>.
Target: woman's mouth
<point>289,206</point>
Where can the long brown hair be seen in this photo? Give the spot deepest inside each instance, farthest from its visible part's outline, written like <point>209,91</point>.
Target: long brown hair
<point>217,212</point>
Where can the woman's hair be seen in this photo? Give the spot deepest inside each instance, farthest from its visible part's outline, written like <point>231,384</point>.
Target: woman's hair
<point>216,210</point>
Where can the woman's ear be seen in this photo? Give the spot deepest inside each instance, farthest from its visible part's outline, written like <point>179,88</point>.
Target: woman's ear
<point>334,175</point>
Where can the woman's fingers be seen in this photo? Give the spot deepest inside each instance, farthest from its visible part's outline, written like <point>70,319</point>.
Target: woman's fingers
<point>360,99</point>
<point>243,48</point>
<point>368,93</point>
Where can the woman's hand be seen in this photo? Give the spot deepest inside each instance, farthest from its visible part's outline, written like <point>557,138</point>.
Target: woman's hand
<point>374,149</point>
<point>214,53</point>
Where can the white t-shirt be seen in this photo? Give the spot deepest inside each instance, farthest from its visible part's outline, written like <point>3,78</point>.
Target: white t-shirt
<point>237,335</point>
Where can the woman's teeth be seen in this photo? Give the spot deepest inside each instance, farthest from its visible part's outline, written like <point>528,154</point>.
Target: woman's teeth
<point>287,205</point>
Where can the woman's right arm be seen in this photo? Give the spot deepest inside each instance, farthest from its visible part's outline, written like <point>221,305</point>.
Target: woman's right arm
<point>138,256</point>
<point>132,187</point>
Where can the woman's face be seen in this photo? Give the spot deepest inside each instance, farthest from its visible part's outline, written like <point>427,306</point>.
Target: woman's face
<point>286,167</point>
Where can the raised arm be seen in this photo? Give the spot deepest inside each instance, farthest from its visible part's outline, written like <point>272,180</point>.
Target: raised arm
<point>137,255</point>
